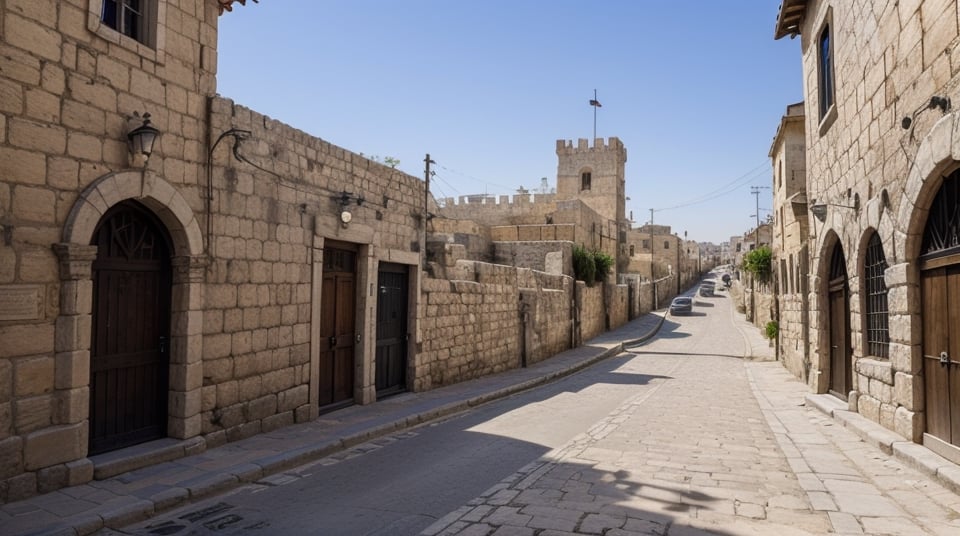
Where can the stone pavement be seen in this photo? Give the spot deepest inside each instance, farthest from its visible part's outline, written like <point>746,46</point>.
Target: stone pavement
<point>736,451</point>
<point>639,471</point>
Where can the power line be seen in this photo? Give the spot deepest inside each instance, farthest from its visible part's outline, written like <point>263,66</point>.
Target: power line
<point>727,189</point>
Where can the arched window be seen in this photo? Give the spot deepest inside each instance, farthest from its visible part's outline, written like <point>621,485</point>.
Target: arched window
<point>878,332</point>
<point>585,180</point>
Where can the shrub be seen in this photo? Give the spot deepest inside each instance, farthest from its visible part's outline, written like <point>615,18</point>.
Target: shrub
<point>772,329</point>
<point>584,267</point>
<point>759,262</point>
<point>603,264</point>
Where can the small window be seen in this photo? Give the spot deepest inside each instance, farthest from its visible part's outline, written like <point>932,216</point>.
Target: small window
<point>631,251</point>
<point>645,244</point>
<point>585,180</point>
<point>126,17</point>
<point>878,333</point>
<point>137,25</point>
<point>666,244</point>
<point>825,74</point>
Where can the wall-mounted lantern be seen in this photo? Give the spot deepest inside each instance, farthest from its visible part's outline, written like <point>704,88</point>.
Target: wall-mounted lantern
<point>142,138</point>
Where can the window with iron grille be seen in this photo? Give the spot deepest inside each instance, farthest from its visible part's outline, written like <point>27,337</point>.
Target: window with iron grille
<point>878,333</point>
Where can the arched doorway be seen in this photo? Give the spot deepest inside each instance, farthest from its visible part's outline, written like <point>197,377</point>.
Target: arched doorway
<point>130,339</point>
<point>841,374</point>
<point>940,287</point>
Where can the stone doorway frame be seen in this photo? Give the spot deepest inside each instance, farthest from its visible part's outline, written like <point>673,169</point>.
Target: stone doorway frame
<point>73,325</point>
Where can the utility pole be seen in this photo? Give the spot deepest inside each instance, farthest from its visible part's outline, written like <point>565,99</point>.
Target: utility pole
<point>653,279</point>
<point>755,191</point>
<point>426,206</point>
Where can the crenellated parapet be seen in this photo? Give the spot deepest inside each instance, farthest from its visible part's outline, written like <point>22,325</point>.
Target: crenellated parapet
<point>504,202</point>
<point>565,147</point>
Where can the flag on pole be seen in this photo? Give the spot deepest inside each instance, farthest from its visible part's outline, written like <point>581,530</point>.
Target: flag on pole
<point>595,102</point>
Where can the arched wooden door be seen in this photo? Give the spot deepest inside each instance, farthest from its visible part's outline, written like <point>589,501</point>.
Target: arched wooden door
<point>940,287</point>
<point>841,370</point>
<point>129,356</point>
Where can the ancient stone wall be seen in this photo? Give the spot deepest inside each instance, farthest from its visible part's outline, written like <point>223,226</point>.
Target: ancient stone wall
<point>521,209</point>
<point>70,90</point>
<point>552,257</point>
<point>591,310</point>
<point>272,215</point>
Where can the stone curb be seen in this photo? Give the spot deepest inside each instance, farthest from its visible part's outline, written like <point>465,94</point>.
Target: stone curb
<point>209,483</point>
<point>912,454</point>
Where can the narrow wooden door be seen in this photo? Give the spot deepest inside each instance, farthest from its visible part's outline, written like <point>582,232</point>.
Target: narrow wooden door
<point>941,352</point>
<point>337,332</point>
<point>391,359</point>
<point>840,369</point>
<point>129,363</point>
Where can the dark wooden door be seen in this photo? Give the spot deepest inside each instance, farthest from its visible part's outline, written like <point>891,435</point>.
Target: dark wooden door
<point>840,369</point>
<point>391,359</point>
<point>337,333</point>
<point>129,362</point>
<point>941,352</point>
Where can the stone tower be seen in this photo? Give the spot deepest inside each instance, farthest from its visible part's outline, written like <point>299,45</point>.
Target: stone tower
<point>595,175</point>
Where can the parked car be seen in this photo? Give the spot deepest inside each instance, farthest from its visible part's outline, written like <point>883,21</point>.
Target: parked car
<point>707,288</point>
<point>681,305</point>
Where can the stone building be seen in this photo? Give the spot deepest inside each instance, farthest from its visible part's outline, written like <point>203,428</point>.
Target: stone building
<point>587,209</point>
<point>237,275</point>
<point>209,290</point>
<point>790,239</point>
<point>882,185</point>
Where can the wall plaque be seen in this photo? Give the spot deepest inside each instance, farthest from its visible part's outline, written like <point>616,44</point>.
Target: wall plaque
<point>21,302</point>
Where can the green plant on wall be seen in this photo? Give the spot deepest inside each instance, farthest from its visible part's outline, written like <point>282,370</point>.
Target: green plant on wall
<point>772,329</point>
<point>584,267</point>
<point>603,263</point>
<point>759,263</point>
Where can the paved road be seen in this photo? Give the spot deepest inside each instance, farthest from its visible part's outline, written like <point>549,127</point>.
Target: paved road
<point>679,436</point>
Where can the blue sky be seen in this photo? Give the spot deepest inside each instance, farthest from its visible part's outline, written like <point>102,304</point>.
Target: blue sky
<point>695,90</point>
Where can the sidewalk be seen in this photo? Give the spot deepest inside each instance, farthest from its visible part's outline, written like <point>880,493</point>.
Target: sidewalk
<point>132,496</point>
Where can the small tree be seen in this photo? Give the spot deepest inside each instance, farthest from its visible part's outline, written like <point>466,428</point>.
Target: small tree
<point>584,266</point>
<point>603,264</point>
<point>759,263</point>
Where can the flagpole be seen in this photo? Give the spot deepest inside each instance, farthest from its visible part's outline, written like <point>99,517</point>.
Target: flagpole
<point>595,116</point>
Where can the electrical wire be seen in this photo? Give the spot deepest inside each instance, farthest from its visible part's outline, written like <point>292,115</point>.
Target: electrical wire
<point>727,189</point>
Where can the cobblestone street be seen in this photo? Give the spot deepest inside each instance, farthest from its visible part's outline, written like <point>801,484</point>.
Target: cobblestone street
<point>713,445</point>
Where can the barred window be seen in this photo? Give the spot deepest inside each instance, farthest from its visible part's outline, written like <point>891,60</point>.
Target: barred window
<point>878,333</point>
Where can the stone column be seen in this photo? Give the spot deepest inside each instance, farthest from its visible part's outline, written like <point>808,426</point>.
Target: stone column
<point>186,347</point>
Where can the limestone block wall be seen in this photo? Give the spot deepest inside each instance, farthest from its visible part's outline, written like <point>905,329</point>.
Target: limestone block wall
<point>548,325</point>
<point>891,58</point>
<point>474,237</point>
<point>616,305</point>
<point>271,216</point>
<point>792,335</point>
<point>521,209</point>
<point>553,257</point>
<point>591,310</point>
<point>69,87</point>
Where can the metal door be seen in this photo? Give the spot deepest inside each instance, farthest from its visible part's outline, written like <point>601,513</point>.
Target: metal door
<point>391,359</point>
<point>337,333</point>
<point>129,360</point>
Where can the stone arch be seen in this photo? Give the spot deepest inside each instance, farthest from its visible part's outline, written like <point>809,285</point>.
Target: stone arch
<point>148,188</point>
<point>819,303</point>
<point>76,257</point>
<point>937,156</point>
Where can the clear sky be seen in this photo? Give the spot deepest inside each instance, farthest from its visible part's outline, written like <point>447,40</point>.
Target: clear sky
<point>694,88</point>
